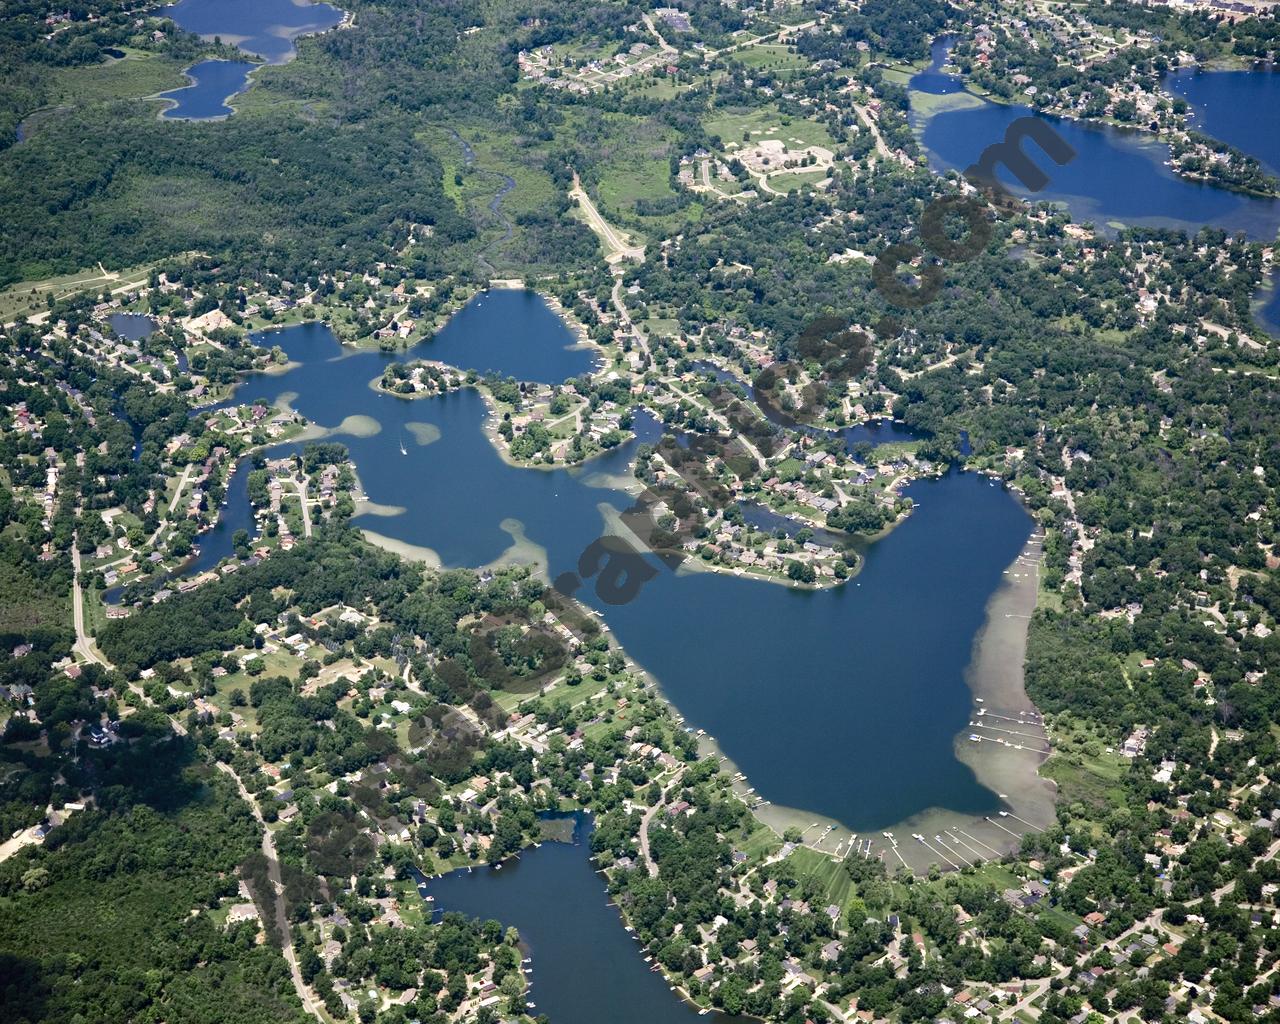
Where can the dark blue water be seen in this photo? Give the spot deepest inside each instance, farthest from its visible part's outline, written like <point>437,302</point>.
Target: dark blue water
<point>213,83</point>
<point>586,968</point>
<point>845,702</point>
<point>266,28</point>
<point>1268,311</point>
<point>237,514</point>
<point>932,79</point>
<point>1117,177</point>
<point>215,543</point>
<point>1239,107</point>
<point>1242,108</point>
<point>132,326</point>
<point>510,332</point>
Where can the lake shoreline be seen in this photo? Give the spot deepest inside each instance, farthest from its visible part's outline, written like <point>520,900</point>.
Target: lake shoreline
<point>1004,773</point>
<point>926,106</point>
<point>255,59</point>
<point>995,677</point>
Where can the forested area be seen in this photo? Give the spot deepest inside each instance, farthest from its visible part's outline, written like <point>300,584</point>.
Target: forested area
<point>35,40</point>
<point>112,921</point>
<point>361,187</point>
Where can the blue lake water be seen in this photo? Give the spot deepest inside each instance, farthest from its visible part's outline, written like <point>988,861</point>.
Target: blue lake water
<point>132,326</point>
<point>236,514</point>
<point>586,968</point>
<point>512,333</point>
<point>933,79</point>
<point>265,28</point>
<point>215,543</point>
<point>213,83</point>
<point>1242,108</point>
<point>1117,176</point>
<point>1239,107</point>
<point>1268,311</point>
<point>845,702</point>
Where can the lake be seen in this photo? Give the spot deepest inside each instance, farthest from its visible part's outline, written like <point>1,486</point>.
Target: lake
<point>132,326</point>
<point>845,702</point>
<point>264,28</point>
<point>586,967</point>
<point>213,84</point>
<point>1237,107</point>
<point>1118,177</point>
<point>513,333</point>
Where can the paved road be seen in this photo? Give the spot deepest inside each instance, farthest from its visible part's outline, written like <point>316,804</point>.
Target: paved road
<point>666,46</point>
<point>648,817</point>
<point>616,245</point>
<point>182,482</point>
<point>85,647</point>
<point>306,508</point>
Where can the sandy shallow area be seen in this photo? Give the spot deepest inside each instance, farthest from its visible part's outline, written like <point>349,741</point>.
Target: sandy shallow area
<point>412,552</point>
<point>1006,759</point>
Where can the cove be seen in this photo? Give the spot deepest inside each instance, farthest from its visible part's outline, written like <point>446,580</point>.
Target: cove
<point>1117,178</point>
<point>585,968</point>
<point>132,326</point>
<point>1235,106</point>
<point>215,543</point>
<point>533,346</point>
<point>265,28</point>
<point>213,84</point>
<point>845,702</point>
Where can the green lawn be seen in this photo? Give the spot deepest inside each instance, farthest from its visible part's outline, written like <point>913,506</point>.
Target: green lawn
<point>836,884</point>
<point>797,179</point>
<point>770,56</point>
<point>759,844</point>
<point>767,122</point>
<point>29,297</point>
<point>1060,917</point>
<point>1092,782</point>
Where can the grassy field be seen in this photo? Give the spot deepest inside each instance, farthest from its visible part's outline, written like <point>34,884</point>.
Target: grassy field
<point>798,179</point>
<point>627,181</point>
<point>1092,780</point>
<point>662,327</point>
<point>656,87</point>
<point>635,162</point>
<point>30,297</point>
<point>135,75</point>
<point>836,884</point>
<point>754,125</point>
<point>770,57</point>
<point>998,875</point>
<point>1060,917</point>
<point>760,843</point>
<point>898,76</point>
